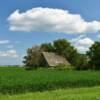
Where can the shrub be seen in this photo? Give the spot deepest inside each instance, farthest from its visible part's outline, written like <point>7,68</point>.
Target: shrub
<point>63,66</point>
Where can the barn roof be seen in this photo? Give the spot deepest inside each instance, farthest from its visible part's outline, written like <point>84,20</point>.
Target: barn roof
<point>54,59</point>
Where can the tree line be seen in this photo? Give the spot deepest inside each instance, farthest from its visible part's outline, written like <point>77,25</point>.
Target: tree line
<point>90,60</point>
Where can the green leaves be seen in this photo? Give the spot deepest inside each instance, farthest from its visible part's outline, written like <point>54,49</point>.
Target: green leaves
<point>94,56</point>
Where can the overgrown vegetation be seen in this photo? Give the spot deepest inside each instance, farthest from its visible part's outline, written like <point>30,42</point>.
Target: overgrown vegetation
<point>94,56</point>
<point>62,47</point>
<point>18,80</point>
<point>90,60</point>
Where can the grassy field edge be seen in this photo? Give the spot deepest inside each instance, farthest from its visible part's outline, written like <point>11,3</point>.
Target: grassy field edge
<point>92,93</point>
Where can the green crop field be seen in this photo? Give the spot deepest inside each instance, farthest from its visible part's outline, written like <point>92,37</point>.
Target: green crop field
<point>18,80</point>
<point>92,93</point>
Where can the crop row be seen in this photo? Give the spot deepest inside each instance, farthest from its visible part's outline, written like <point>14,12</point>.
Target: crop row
<point>18,80</point>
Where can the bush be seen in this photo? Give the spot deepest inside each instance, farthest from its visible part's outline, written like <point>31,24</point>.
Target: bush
<point>63,67</point>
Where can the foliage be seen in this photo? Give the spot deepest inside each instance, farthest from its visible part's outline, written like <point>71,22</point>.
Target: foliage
<point>47,47</point>
<point>34,59</point>
<point>81,62</point>
<point>17,80</point>
<point>63,47</point>
<point>94,56</point>
<point>60,45</point>
<point>63,67</point>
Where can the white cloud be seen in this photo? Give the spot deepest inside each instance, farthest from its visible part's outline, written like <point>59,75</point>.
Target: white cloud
<point>9,53</point>
<point>50,20</point>
<point>82,49</point>
<point>98,36</point>
<point>82,43</point>
<point>78,38</point>
<point>85,41</point>
<point>4,41</point>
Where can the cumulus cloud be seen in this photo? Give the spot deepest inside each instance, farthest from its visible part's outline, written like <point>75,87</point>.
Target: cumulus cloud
<point>82,43</point>
<point>82,49</point>
<point>9,53</point>
<point>85,42</point>
<point>4,41</point>
<point>50,20</point>
<point>78,38</point>
<point>98,36</point>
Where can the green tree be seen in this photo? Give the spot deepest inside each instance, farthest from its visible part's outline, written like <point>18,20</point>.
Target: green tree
<point>60,45</point>
<point>47,47</point>
<point>33,58</point>
<point>63,47</point>
<point>94,56</point>
<point>81,62</point>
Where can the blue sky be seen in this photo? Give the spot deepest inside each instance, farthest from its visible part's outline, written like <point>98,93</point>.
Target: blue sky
<point>13,44</point>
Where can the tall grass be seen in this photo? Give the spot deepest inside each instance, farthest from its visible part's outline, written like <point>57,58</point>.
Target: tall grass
<point>17,80</point>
